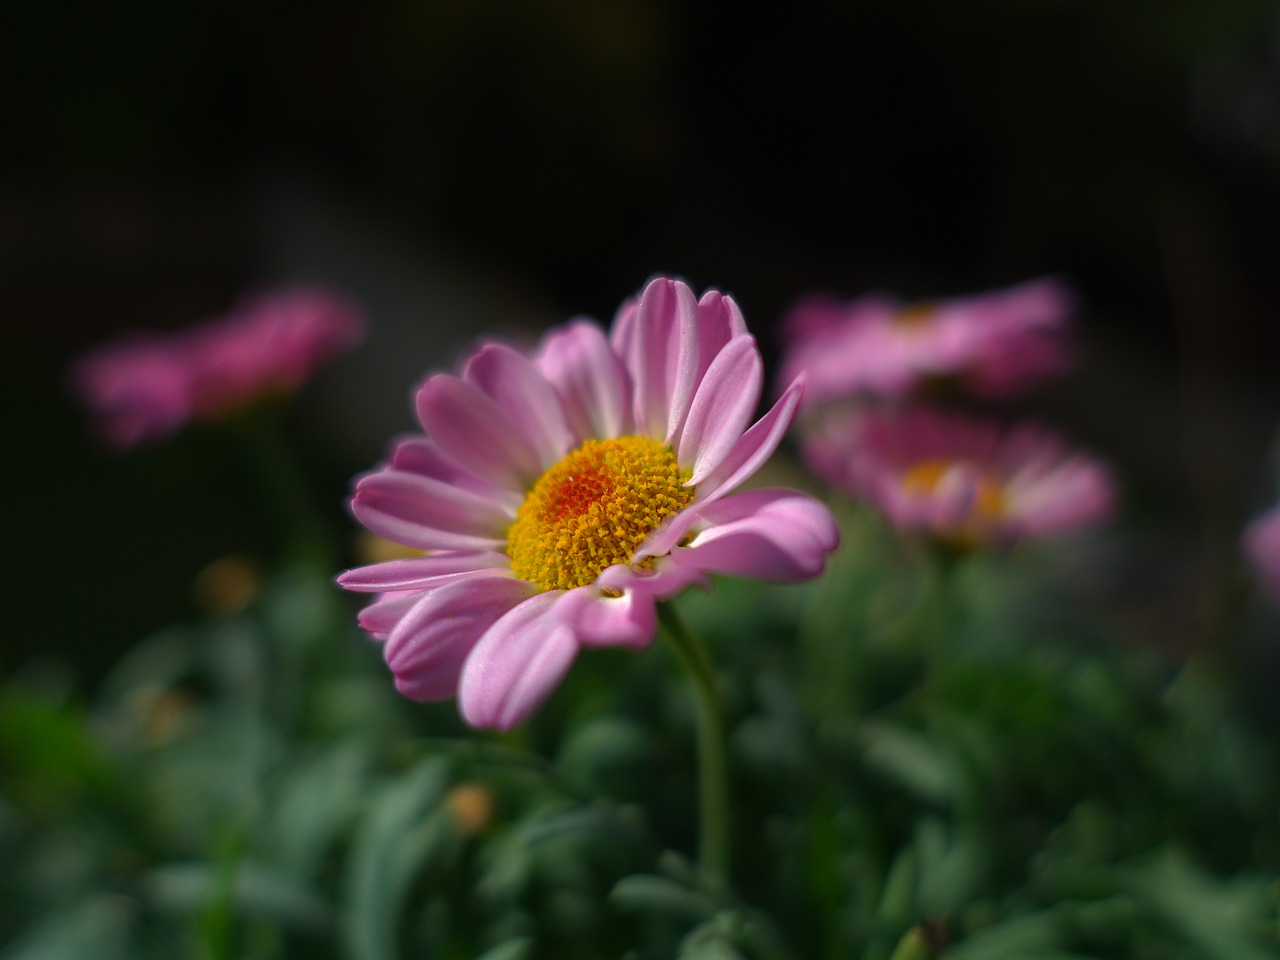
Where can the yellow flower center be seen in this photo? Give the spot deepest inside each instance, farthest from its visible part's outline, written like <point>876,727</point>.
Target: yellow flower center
<point>915,317</point>
<point>593,509</point>
<point>988,504</point>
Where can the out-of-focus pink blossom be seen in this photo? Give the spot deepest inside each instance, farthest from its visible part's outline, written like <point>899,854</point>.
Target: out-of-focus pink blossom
<point>139,388</point>
<point>145,386</point>
<point>993,344</point>
<point>561,496</point>
<point>964,481</point>
<point>1262,546</point>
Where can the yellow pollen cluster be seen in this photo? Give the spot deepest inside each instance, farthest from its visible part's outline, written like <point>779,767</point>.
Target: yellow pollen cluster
<point>988,504</point>
<point>593,509</point>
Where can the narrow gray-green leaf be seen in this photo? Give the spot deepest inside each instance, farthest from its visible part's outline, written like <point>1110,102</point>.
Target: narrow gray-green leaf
<point>405,827</point>
<point>97,928</point>
<point>518,948</point>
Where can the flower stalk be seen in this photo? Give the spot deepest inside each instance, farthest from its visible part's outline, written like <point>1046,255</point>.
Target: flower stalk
<point>713,769</point>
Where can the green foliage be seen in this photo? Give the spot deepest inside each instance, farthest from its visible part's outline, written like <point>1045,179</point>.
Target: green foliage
<point>930,758</point>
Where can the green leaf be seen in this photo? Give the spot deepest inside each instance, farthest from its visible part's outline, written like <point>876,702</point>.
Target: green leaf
<point>47,756</point>
<point>1030,937</point>
<point>604,751</point>
<point>300,606</point>
<point>644,893</point>
<point>709,949</point>
<point>1218,916</point>
<point>953,864</point>
<point>405,828</point>
<point>97,928</point>
<point>256,889</point>
<point>156,663</point>
<point>908,759</point>
<point>316,802</point>
<point>898,905</point>
<point>517,948</point>
<point>913,946</point>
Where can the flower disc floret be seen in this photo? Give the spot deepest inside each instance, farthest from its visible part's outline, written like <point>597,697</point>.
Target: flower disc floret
<point>594,508</point>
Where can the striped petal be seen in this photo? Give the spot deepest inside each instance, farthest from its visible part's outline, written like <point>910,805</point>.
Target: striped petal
<point>755,446</point>
<point>722,408</point>
<point>418,573</point>
<point>531,404</point>
<point>427,513</point>
<point>517,664</point>
<point>663,357</point>
<point>592,381</point>
<point>764,534</point>
<point>477,433</point>
<point>430,643</point>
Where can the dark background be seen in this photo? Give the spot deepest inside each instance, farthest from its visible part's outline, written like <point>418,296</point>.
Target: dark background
<point>498,166</point>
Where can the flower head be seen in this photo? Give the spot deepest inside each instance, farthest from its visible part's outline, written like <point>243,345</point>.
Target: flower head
<point>963,481</point>
<point>561,496</point>
<point>993,344</point>
<point>1262,546</point>
<point>146,387</point>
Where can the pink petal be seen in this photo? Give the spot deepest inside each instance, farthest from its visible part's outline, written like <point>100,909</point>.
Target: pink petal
<point>661,580</point>
<point>955,494</point>
<point>763,534</point>
<point>380,617</point>
<point>755,446</point>
<point>1078,492</point>
<point>419,572</point>
<point>594,386</point>
<point>719,321</point>
<point>531,403</point>
<point>418,454</point>
<point>1261,541</point>
<point>722,407</point>
<point>517,664</point>
<point>663,357</point>
<point>604,621</point>
<point>475,432</point>
<point>622,332</point>
<point>427,648</point>
<point>426,513</point>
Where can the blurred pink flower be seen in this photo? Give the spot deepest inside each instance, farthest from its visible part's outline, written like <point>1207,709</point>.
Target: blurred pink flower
<point>139,388</point>
<point>963,481</point>
<point>147,386</point>
<point>993,344</point>
<point>563,495</point>
<point>1262,546</point>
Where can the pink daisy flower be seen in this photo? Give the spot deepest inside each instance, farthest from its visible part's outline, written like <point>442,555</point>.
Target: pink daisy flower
<point>963,481</point>
<point>1262,546</point>
<point>146,387</point>
<point>563,495</point>
<point>994,344</point>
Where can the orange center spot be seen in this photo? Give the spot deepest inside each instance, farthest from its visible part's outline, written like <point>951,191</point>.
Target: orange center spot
<point>593,509</point>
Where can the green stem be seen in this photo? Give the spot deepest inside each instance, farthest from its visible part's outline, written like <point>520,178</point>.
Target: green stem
<point>713,774</point>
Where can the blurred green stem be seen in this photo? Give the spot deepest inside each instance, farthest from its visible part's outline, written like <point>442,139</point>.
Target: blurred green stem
<point>217,916</point>
<point>713,784</point>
